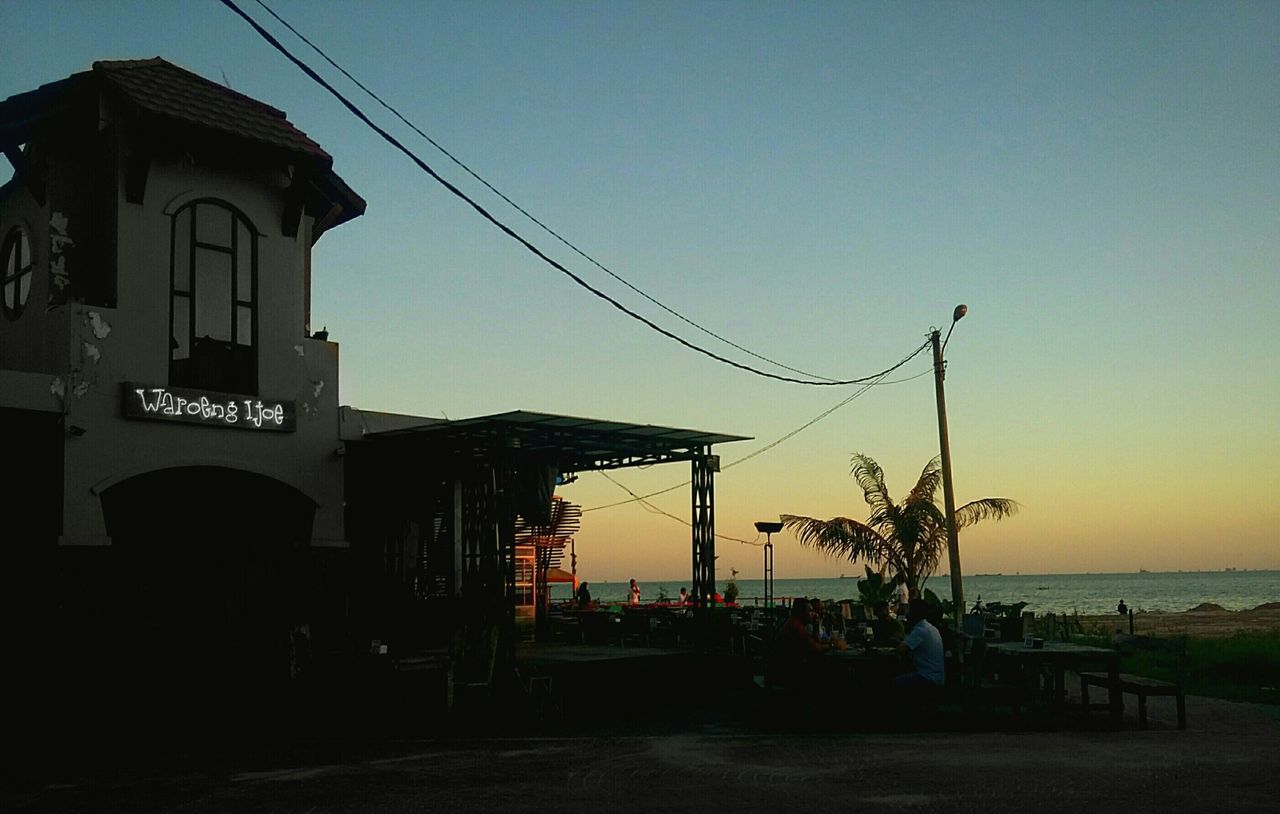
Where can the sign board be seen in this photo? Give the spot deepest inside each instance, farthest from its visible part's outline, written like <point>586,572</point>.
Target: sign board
<point>208,408</point>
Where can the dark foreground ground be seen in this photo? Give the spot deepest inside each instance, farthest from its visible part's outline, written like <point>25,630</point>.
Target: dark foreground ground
<point>1228,760</point>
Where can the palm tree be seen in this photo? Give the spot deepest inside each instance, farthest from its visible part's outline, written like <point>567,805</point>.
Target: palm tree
<point>907,537</point>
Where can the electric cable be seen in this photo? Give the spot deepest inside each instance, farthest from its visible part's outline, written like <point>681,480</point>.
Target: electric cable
<point>771,445</point>
<point>520,208</point>
<point>657,510</point>
<point>394,142</point>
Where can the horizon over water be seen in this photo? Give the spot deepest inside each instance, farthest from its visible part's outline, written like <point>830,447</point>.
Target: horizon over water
<point>1086,593</point>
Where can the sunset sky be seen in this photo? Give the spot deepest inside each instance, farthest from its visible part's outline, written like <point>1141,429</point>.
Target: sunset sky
<point>820,183</point>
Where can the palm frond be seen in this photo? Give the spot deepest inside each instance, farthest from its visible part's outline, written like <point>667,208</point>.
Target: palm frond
<point>927,485</point>
<point>988,508</point>
<point>839,536</point>
<point>870,477</point>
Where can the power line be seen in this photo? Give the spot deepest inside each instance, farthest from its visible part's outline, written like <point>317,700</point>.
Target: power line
<point>771,445</point>
<point>390,139</point>
<point>520,208</point>
<point>655,510</point>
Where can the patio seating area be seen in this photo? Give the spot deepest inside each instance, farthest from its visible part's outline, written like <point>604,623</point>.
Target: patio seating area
<point>671,667</point>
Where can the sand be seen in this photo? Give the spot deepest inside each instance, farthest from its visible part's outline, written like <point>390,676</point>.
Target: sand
<point>1204,620</point>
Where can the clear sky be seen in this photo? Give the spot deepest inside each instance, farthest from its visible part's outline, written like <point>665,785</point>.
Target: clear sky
<point>821,183</point>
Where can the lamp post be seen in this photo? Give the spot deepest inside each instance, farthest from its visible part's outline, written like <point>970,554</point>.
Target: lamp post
<point>768,527</point>
<point>948,491</point>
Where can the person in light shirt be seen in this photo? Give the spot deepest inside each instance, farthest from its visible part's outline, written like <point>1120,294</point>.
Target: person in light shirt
<point>633,595</point>
<point>904,593</point>
<point>924,644</point>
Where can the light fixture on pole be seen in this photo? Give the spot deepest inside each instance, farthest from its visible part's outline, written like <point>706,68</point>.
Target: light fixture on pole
<point>768,527</point>
<point>948,491</point>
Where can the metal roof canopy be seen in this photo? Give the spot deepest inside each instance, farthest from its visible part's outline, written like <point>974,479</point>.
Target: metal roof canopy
<point>510,442</point>
<point>576,444</point>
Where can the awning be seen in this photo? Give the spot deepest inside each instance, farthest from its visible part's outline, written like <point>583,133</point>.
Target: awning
<point>575,444</point>
<point>560,575</point>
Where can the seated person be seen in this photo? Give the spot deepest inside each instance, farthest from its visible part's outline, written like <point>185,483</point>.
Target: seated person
<point>583,596</point>
<point>924,644</point>
<point>795,648</point>
<point>821,625</point>
<point>887,629</point>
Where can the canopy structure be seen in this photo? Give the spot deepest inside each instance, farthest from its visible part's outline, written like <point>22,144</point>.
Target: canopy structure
<point>467,484</point>
<point>575,444</point>
<point>560,575</point>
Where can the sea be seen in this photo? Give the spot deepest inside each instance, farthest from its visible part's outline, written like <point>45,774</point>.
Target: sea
<point>1161,591</point>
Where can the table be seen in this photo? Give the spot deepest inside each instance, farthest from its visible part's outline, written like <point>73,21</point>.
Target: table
<point>862,667</point>
<point>1063,656</point>
<point>593,626</point>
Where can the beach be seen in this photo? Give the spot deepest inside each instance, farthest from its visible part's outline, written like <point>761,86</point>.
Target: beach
<point>1204,621</point>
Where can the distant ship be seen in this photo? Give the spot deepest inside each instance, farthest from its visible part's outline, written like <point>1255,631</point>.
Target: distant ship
<point>1143,571</point>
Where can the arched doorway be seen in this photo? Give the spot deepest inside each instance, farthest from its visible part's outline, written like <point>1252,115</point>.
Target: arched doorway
<point>210,575</point>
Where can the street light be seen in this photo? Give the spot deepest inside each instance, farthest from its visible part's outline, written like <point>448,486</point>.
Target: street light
<point>948,491</point>
<point>768,527</point>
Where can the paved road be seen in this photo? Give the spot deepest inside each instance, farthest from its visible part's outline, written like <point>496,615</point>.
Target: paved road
<point>1228,760</point>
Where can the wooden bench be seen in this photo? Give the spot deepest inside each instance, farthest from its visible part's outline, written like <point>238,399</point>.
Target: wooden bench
<point>1170,652</point>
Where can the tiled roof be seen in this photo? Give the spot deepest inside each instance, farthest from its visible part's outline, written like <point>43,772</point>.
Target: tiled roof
<point>164,89</point>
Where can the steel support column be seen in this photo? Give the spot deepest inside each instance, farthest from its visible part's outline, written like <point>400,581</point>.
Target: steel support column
<point>703,521</point>
<point>506,540</point>
<point>768,572</point>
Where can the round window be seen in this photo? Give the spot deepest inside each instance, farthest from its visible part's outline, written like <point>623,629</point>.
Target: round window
<point>16,284</point>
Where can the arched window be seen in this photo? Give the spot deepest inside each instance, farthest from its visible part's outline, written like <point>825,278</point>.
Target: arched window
<point>16,284</point>
<point>213,314</point>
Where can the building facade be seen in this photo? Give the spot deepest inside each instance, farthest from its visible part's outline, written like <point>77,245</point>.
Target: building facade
<point>174,478</point>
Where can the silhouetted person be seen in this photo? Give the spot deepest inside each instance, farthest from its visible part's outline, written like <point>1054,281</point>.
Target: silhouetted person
<point>924,644</point>
<point>818,613</point>
<point>1122,608</point>
<point>886,627</point>
<point>795,648</point>
<point>584,596</point>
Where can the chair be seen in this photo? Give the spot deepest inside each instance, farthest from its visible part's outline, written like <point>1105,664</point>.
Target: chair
<point>478,685</point>
<point>538,692</point>
<point>422,681</point>
<point>597,627</point>
<point>974,626</point>
<point>566,630</point>
<point>635,626</point>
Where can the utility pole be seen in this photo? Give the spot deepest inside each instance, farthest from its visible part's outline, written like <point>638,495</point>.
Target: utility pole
<point>948,491</point>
